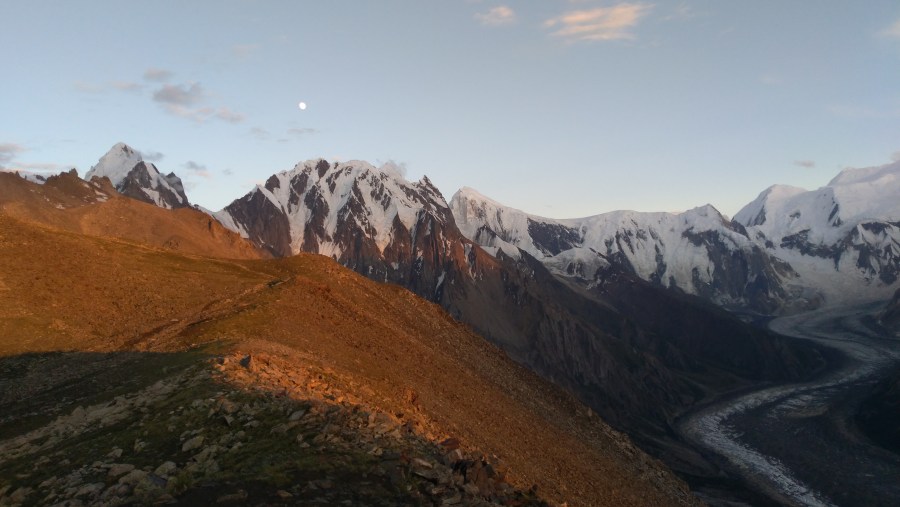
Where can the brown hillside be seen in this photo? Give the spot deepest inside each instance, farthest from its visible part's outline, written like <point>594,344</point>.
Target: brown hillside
<point>94,208</point>
<point>305,326</point>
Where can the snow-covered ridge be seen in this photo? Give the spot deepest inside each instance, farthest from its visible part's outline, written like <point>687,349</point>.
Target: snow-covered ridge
<point>321,196</point>
<point>492,224</point>
<point>698,251</point>
<point>843,238</point>
<point>134,177</point>
<point>40,179</point>
<point>830,212</point>
<point>836,244</point>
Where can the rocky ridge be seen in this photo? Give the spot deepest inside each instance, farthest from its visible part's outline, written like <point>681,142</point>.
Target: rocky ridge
<point>192,430</point>
<point>697,252</point>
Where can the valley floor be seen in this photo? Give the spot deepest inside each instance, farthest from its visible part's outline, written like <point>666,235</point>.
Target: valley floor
<point>798,443</point>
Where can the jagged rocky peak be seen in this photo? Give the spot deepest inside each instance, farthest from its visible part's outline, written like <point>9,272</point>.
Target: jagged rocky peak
<point>132,176</point>
<point>333,207</point>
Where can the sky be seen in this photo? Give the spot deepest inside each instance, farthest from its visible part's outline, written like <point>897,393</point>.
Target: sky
<point>560,108</point>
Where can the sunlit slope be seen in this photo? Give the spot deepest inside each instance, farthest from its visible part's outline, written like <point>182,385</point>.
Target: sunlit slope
<point>65,291</point>
<point>381,346</point>
<point>95,208</point>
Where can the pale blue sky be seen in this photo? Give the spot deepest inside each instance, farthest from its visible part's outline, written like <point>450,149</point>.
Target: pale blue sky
<point>560,108</point>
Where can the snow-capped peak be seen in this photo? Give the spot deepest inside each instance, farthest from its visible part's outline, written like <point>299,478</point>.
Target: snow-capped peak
<point>755,212</point>
<point>867,175</point>
<point>323,197</point>
<point>116,164</point>
<point>826,214</point>
<point>131,176</point>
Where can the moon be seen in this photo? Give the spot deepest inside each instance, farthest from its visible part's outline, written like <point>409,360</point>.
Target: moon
<point>302,106</point>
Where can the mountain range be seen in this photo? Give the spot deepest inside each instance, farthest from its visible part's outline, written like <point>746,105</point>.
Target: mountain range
<point>640,315</point>
<point>788,250</point>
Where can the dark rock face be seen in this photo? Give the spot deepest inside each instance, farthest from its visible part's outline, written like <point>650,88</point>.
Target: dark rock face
<point>878,248</point>
<point>265,223</point>
<point>345,210</point>
<point>138,184</point>
<point>750,276</point>
<point>874,245</point>
<point>553,238</point>
<point>800,242</point>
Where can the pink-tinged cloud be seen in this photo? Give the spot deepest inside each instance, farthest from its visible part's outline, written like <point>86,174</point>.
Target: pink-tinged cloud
<point>159,75</point>
<point>501,15</point>
<point>892,31</point>
<point>228,115</point>
<point>180,95</point>
<point>198,169</point>
<point>600,24</point>
<point>8,151</point>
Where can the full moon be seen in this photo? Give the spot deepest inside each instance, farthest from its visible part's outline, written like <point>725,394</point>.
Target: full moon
<point>302,105</point>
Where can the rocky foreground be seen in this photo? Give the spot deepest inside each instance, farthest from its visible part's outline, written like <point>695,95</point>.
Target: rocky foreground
<point>237,429</point>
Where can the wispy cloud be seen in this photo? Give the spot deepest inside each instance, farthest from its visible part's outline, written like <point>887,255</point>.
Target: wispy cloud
<point>600,24</point>
<point>180,95</point>
<point>392,166</point>
<point>188,100</point>
<point>260,133</point>
<point>152,156</point>
<point>895,157</point>
<point>197,169</point>
<point>501,15</point>
<point>157,75</point>
<point>9,151</point>
<point>98,88</point>
<point>41,167</point>
<point>682,12</point>
<point>770,80</point>
<point>86,87</point>
<point>808,164</point>
<point>892,31</point>
<point>127,86</point>
<point>243,51</point>
<point>226,114</point>
<point>199,115</point>
<point>183,100</point>
<point>301,132</point>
